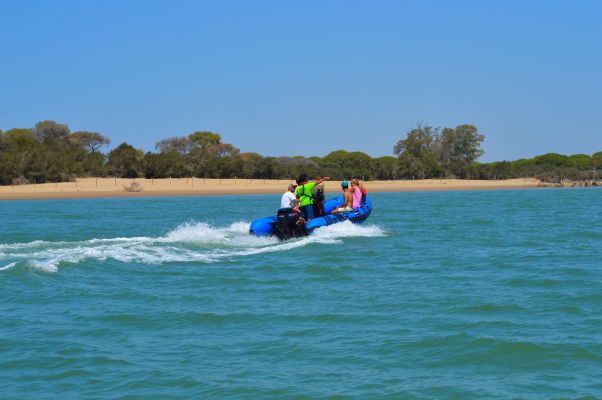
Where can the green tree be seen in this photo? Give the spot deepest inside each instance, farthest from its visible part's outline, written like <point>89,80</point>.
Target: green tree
<point>205,139</point>
<point>419,153</point>
<point>581,161</point>
<point>268,168</point>
<point>61,161</point>
<point>385,168</point>
<point>209,157</point>
<point>501,170</point>
<point>292,167</point>
<point>50,159</point>
<point>90,141</point>
<point>480,171</point>
<point>344,164</point>
<point>410,166</point>
<point>226,159</point>
<point>19,155</point>
<point>459,148</point>
<point>554,159</point>
<point>20,137</point>
<point>597,160</point>
<point>418,141</point>
<point>94,164</point>
<point>165,164</point>
<point>49,130</point>
<point>250,165</point>
<point>179,144</point>
<point>125,161</point>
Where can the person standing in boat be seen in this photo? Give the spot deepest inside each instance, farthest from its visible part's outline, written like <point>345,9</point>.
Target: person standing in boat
<point>304,194</point>
<point>347,199</point>
<point>318,193</point>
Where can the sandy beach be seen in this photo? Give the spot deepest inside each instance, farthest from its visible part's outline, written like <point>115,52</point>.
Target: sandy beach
<point>116,187</point>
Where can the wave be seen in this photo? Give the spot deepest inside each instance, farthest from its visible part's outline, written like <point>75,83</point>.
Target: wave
<point>190,242</point>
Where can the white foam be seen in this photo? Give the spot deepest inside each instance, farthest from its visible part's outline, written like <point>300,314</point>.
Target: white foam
<point>47,266</point>
<point>195,233</point>
<point>189,242</point>
<point>13,246</point>
<point>348,229</point>
<point>8,266</point>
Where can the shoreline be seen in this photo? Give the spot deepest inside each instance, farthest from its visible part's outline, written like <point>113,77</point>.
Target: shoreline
<point>83,188</point>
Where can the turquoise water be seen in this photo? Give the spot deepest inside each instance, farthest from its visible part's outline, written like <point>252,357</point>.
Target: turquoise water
<point>481,294</point>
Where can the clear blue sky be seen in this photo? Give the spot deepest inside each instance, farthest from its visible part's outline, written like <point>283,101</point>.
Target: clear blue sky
<point>306,78</point>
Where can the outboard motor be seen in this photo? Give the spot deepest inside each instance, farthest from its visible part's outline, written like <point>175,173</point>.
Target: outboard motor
<point>288,225</point>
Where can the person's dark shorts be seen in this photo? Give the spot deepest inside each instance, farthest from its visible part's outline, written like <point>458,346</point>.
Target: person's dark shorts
<point>307,212</point>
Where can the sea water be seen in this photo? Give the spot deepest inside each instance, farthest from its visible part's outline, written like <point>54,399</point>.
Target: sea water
<point>474,294</point>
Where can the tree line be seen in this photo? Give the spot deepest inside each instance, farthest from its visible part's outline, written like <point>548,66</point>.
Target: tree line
<point>50,152</point>
<point>428,152</point>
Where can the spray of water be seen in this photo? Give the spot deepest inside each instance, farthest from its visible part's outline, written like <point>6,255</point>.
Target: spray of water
<point>190,242</point>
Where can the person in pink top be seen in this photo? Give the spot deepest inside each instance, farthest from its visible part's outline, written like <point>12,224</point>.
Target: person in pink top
<point>357,195</point>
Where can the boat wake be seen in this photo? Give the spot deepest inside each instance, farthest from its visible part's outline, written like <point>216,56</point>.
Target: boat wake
<point>190,242</point>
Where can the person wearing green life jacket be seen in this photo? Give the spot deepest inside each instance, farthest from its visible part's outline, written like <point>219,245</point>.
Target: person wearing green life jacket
<point>304,193</point>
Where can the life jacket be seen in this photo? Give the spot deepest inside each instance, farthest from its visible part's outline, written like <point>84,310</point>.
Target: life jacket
<point>304,193</point>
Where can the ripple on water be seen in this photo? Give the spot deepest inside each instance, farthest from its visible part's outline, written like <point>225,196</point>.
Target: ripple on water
<point>443,295</point>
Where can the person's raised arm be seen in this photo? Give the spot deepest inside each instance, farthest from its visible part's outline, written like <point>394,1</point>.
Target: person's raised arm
<point>320,180</point>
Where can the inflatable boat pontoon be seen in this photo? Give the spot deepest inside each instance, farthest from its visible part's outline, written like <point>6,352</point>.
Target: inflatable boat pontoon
<point>284,226</point>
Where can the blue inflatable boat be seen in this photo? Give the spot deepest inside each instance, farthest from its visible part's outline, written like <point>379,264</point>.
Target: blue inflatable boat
<point>285,224</point>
